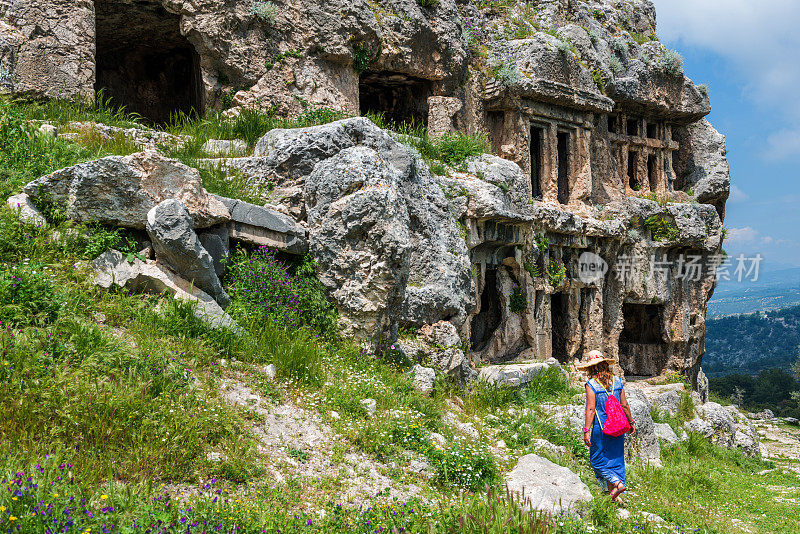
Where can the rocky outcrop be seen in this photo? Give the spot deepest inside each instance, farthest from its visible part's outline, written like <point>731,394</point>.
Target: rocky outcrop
<point>171,230</point>
<point>727,428</point>
<point>112,268</point>
<point>642,445</point>
<point>120,190</point>
<point>515,374</point>
<point>542,485</point>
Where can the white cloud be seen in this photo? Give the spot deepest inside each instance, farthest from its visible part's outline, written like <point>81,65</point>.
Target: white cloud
<point>759,39</point>
<point>742,236</point>
<point>737,195</point>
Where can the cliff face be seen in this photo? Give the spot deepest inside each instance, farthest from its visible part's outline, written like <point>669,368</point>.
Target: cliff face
<point>602,138</point>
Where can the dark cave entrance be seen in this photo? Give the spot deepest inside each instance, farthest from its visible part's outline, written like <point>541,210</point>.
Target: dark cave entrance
<point>537,138</point>
<point>652,173</point>
<point>488,318</point>
<point>400,98</point>
<point>641,323</point>
<point>633,162</point>
<point>143,61</point>
<point>563,139</point>
<point>642,350</point>
<point>559,326</point>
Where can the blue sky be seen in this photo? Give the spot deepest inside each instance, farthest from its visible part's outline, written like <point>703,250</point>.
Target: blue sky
<point>748,52</point>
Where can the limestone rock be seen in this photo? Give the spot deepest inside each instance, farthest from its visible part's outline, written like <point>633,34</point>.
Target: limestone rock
<point>424,378</point>
<point>225,147</point>
<point>369,406</point>
<point>48,130</point>
<point>442,334</point>
<point>644,443</point>
<point>112,268</point>
<point>513,374</point>
<point>216,242</point>
<point>120,190</point>
<point>665,432</point>
<point>259,225</point>
<point>721,427</point>
<point>27,211</point>
<point>169,225</point>
<point>361,202</point>
<point>547,486</point>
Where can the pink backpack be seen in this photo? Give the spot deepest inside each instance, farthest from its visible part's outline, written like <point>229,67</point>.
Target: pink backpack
<point>616,421</point>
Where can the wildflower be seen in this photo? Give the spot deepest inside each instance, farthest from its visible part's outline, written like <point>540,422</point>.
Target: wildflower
<point>103,497</point>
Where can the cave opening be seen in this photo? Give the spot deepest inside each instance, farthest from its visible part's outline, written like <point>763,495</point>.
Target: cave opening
<point>641,323</point>
<point>559,326</point>
<point>398,97</point>
<point>642,349</point>
<point>143,61</point>
<point>486,321</point>
<point>632,127</point>
<point>652,130</point>
<point>563,139</point>
<point>612,124</point>
<point>537,137</point>
<point>652,174</point>
<point>633,162</point>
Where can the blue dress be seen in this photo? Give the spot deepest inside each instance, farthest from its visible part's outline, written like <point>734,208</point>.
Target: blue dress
<point>607,453</point>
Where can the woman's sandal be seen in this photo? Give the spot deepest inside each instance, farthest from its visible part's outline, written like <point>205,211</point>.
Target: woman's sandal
<point>619,489</point>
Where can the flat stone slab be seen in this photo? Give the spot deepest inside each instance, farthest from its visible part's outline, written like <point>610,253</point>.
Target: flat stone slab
<point>27,211</point>
<point>259,225</point>
<point>546,486</point>
<point>513,374</point>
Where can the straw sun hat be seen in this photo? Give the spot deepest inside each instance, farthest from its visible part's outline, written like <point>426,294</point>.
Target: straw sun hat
<point>593,357</point>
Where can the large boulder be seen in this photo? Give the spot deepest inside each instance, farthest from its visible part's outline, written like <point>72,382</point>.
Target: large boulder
<point>644,444</point>
<point>725,427</point>
<point>546,486</point>
<point>169,225</point>
<point>379,227</point>
<point>120,190</point>
<point>112,268</point>
<point>515,374</point>
<point>260,225</point>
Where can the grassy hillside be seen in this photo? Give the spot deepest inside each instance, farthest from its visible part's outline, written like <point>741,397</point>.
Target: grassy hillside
<point>124,413</point>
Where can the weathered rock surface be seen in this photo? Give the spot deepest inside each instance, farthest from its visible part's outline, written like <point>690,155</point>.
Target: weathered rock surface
<point>27,211</point>
<point>665,432</point>
<point>170,227</point>
<point>642,445</point>
<point>112,268</point>
<point>424,378</point>
<point>259,225</point>
<point>120,190</point>
<point>721,426</point>
<point>515,374</point>
<point>375,210</point>
<point>225,147</point>
<point>547,486</point>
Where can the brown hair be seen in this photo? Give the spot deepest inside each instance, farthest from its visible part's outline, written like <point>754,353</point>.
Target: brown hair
<point>602,372</point>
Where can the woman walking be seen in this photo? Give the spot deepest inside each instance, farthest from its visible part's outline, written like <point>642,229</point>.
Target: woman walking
<point>606,450</point>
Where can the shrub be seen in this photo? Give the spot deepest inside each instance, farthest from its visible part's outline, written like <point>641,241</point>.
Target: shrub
<point>615,65</point>
<point>361,59</point>
<point>464,466</point>
<point>264,287</point>
<point>672,62</point>
<point>556,272</point>
<point>266,11</point>
<point>27,295</point>
<point>427,3</point>
<point>599,78</point>
<point>506,72</point>
<point>518,300</point>
<point>662,228</point>
<point>620,47</point>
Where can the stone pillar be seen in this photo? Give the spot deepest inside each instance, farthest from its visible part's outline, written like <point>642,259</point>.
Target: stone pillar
<point>442,114</point>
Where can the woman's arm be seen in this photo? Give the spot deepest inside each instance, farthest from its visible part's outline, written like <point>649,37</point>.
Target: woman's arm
<point>623,401</point>
<point>589,421</point>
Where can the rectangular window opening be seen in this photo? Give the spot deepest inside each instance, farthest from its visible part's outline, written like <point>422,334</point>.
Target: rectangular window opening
<point>633,162</point>
<point>612,124</point>
<point>632,127</point>
<point>537,136</point>
<point>652,174</point>
<point>652,130</point>
<point>563,167</point>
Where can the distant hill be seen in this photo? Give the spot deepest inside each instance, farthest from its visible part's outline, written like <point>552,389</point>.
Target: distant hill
<point>753,342</point>
<point>772,291</point>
